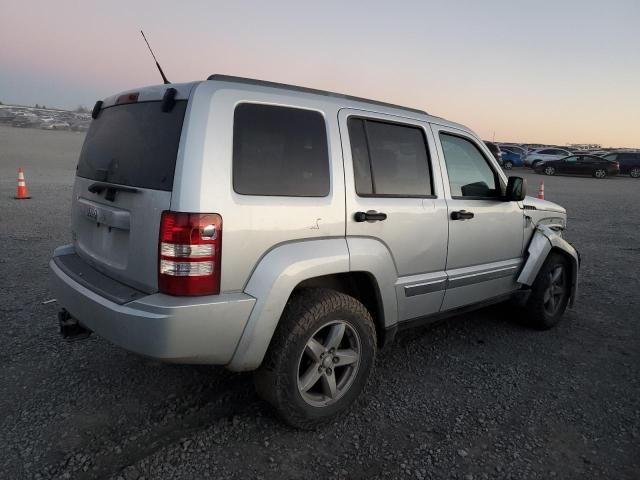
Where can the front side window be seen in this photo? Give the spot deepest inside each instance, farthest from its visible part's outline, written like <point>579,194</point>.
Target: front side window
<point>389,159</point>
<point>573,159</point>
<point>469,172</point>
<point>587,160</point>
<point>611,157</point>
<point>279,151</point>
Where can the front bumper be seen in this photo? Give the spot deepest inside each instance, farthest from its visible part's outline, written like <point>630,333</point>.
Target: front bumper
<point>203,330</point>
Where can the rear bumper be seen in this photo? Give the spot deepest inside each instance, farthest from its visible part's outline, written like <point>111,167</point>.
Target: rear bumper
<point>203,330</point>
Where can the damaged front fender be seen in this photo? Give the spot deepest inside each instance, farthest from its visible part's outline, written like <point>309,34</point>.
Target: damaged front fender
<point>545,240</point>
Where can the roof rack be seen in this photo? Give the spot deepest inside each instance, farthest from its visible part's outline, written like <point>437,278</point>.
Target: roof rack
<point>295,88</point>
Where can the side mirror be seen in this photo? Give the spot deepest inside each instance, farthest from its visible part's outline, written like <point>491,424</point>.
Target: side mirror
<point>516,189</point>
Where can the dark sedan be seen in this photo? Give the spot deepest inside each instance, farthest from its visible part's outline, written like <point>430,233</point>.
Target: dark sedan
<point>579,165</point>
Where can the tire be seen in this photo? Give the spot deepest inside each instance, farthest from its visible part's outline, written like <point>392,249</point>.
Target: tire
<point>508,165</point>
<point>544,309</point>
<point>534,163</point>
<point>295,376</point>
<point>549,170</point>
<point>635,172</point>
<point>600,173</point>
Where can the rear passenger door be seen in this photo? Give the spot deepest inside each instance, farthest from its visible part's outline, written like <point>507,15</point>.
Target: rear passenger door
<point>394,198</point>
<point>485,233</point>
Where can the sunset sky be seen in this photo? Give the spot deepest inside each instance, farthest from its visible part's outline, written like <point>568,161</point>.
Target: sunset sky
<point>551,71</point>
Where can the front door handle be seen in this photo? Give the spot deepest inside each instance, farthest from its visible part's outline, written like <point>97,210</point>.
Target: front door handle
<point>461,215</point>
<point>369,216</point>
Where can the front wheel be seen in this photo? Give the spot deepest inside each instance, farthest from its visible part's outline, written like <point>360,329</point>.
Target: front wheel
<point>320,358</point>
<point>635,172</point>
<point>508,165</point>
<point>600,173</point>
<point>550,293</point>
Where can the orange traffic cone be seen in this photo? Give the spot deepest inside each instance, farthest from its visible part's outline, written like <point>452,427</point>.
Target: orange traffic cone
<point>21,193</point>
<point>541,191</point>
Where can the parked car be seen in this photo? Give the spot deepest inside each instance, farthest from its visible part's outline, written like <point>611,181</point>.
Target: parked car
<point>522,151</point>
<point>545,154</point>
<point>629,162</point>
<point>293,232</point>
<point>579,165</point>
<point>510,159</point>
<point>599,153</point>
<point>495,151</point>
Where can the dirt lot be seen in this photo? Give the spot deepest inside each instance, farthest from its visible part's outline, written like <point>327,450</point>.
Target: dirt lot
<point>478,396</point>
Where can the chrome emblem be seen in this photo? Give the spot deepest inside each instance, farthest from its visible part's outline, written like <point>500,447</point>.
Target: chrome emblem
<point>92,213</point>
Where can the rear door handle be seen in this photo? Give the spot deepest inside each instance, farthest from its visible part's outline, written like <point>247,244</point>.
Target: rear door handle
<point>461,215</point>
<point>369,216</point>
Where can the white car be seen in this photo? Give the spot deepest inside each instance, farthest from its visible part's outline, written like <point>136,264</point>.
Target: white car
<point>545,154</point>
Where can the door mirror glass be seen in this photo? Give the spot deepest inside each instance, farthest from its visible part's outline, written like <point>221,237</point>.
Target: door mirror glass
<point>516,189</point>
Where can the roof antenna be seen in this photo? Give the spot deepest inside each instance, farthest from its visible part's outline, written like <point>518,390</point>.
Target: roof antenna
<point>164,78</point>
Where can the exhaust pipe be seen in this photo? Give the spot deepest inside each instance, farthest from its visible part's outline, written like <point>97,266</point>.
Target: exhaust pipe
<point>70,328</point>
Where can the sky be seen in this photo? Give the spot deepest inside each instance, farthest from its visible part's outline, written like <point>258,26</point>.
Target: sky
<point>548,71</point>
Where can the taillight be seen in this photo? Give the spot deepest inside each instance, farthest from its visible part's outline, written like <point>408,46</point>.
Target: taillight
<point>189,253</point>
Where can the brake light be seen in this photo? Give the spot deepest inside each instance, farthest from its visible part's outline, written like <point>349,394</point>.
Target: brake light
<point>127,98</point>
<point>189,253</point>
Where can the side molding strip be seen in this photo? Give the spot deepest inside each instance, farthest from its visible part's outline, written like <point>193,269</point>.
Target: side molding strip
<point>426,287</point>
<point>460,280</point>
<point>470,279</point>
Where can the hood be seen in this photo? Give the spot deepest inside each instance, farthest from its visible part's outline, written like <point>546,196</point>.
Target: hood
<point>544,205</point>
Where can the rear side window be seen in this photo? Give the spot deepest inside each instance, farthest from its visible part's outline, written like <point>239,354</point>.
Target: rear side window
<point>628,158</point>
<point>389,159</point>
<point>135,144</point>
<point>279,151</point>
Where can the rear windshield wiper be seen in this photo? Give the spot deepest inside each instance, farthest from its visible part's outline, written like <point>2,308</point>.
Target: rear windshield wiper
<point>99,187</point>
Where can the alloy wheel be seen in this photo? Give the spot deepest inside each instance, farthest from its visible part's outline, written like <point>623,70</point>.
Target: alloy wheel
<point>600,173</point>
<point>635,172</point>
<point>329,363</point>
<point>555,291</point>
<point>549,170</point>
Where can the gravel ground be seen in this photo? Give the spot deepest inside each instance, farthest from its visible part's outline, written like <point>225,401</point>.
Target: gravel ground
<point>475,397</point>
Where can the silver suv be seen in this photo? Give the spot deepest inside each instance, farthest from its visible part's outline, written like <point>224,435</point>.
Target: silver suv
<point>293,232</point>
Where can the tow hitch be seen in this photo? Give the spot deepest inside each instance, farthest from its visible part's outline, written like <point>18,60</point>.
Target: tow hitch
<point>70,328</point>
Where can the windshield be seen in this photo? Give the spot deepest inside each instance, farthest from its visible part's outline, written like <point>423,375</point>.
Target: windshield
<point>134,144</point>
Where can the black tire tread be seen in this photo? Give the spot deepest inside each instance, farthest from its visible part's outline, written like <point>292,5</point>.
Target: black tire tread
<point>534,312</point>
<point>304,308</point>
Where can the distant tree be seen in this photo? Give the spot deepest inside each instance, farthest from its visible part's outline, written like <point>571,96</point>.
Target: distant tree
<point>1,103</point>
<point>43,106</point>
<point>81,109</point>
<point>37,106</point>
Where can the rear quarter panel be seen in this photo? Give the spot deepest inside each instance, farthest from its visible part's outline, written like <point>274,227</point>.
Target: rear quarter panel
<point>252,225</point>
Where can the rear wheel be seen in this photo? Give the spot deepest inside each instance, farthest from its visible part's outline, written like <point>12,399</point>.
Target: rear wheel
<point>508,165</point>
<point>600,173</point>
<point>550,293</point>
<point>320,358</point>
<point>635,172</point>
<point>549,170</point>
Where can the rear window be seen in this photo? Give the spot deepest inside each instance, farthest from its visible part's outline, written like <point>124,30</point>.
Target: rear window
<point>135,144</point>
<point>280,151</point>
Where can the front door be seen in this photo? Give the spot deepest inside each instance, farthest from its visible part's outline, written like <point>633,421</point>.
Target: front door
<point>485,233</point>
<point>395,204</point>
<point>568,165</point>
